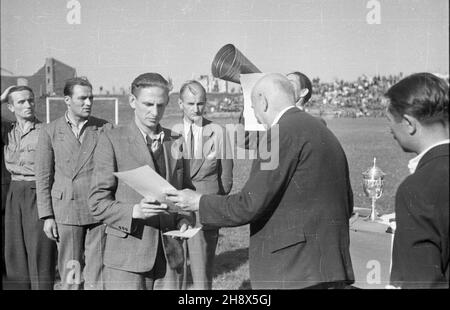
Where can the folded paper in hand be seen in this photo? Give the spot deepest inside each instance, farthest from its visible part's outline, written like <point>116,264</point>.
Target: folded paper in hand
<point>189,233</point>
<point>148,182</point>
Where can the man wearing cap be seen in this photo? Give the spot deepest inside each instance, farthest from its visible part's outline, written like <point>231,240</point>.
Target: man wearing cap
<point>29,255</point>
<point>64,164</point>
<point>208,172</point>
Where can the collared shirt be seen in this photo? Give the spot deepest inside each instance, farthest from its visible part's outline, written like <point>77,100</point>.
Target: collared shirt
<point>281,114</point>
<point>78,130</point>
<point>157,139</point>
<point>20,151</point>
<point>197,133</point>
<point>412,164</point>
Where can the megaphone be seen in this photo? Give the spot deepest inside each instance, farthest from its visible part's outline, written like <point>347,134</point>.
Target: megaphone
<point>229,63</point>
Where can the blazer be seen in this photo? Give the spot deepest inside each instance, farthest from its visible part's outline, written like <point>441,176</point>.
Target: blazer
<point>420,254</point>
<point>64,169</point>
<point>213,173</point>
<point>298,211</point>
<point>131,244</point>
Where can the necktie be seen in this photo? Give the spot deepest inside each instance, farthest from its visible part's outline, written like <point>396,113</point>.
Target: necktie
<point>191,142</point>
<point>153,145</point>
<point>155,148</point>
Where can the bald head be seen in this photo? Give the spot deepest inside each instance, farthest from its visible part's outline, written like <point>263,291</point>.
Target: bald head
<point>270,95</point>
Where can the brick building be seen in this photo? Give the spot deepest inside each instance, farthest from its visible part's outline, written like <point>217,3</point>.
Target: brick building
<point>47,81</point>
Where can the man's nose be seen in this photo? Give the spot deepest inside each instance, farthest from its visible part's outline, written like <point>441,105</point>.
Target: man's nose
<point>88,102</point>
<point>154,110</point>
<point>27,104</point>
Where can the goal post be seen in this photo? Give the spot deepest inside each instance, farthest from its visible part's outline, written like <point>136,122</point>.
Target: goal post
<point>115,99</point>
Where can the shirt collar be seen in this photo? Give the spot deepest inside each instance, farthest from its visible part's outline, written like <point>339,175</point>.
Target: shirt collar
<point>195,125</point>
<point>158,136</point>
<point>412,164</point>
<point>27,129</point>
<point>281,114</point>
<point>71,122</point>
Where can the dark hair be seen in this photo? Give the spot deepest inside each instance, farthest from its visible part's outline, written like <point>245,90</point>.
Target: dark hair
<point>150,80</point>
<point>18,88</point>
<point>187,84</point>
<point>72,82</point>
<point>305,82</point>
<point>422,95</point>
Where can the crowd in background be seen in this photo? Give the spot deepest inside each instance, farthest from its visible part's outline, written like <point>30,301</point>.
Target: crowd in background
<point>362,97</point>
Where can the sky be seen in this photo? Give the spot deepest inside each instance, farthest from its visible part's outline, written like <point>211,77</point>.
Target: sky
<point>117,40</point>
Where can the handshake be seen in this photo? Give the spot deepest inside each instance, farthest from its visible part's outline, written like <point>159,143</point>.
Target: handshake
<point>175,201</point>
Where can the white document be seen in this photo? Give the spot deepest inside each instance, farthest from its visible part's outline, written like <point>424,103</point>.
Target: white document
<point>189,233</point>
<point>148,182</point>
<point>247,83</point>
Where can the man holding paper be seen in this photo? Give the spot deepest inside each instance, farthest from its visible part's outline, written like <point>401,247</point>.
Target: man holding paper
<point>298,211</point>
<point>137,254</point>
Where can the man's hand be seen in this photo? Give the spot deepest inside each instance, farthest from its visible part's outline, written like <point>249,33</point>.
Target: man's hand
<point>51,229</point>
<point>147,208</point>
<point>184,225</point>
<point>186,199</point>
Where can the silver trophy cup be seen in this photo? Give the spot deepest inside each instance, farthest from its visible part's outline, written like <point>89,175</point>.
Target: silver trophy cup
<point>373,182</point>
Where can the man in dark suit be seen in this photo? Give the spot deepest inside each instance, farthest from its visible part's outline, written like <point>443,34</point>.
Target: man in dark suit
<point>137,254</point>
<point>208,172</point>
<point>418,118</point>
<point>64,165</point>
<point>299,209</point>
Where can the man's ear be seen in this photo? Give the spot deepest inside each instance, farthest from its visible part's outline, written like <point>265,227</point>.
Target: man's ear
<point>11,107</point>
<point>265,104</point>
<point>304,92</point>
<point>411,123</point>
<point>180,104</point>
<point>67,100</point>
<point>132,101</point>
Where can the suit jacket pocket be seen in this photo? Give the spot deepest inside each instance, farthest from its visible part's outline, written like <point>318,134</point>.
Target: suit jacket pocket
<point>287,238</point>
<point>115,232</point>
<point>57,194</point>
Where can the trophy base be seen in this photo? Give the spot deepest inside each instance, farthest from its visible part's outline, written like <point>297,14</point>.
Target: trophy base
<point>374,219</point>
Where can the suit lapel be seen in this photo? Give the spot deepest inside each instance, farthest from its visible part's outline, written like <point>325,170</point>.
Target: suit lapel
<point>207,144</point>
<point>87,147</point>
<point>70,144</point>
<point>138,146</point>
<point>170,144</point>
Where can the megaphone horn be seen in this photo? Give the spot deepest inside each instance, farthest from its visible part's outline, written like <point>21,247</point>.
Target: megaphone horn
<point>229,63</point>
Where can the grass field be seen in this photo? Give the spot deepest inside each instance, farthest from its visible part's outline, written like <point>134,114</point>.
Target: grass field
<point>362,139</point>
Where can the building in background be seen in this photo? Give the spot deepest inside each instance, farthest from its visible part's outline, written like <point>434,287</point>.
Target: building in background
<point>47,81</point>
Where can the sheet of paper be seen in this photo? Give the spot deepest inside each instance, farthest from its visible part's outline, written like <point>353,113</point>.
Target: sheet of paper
<point>247,83</point>
<point>148,182</point>
<point>189,233</point>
